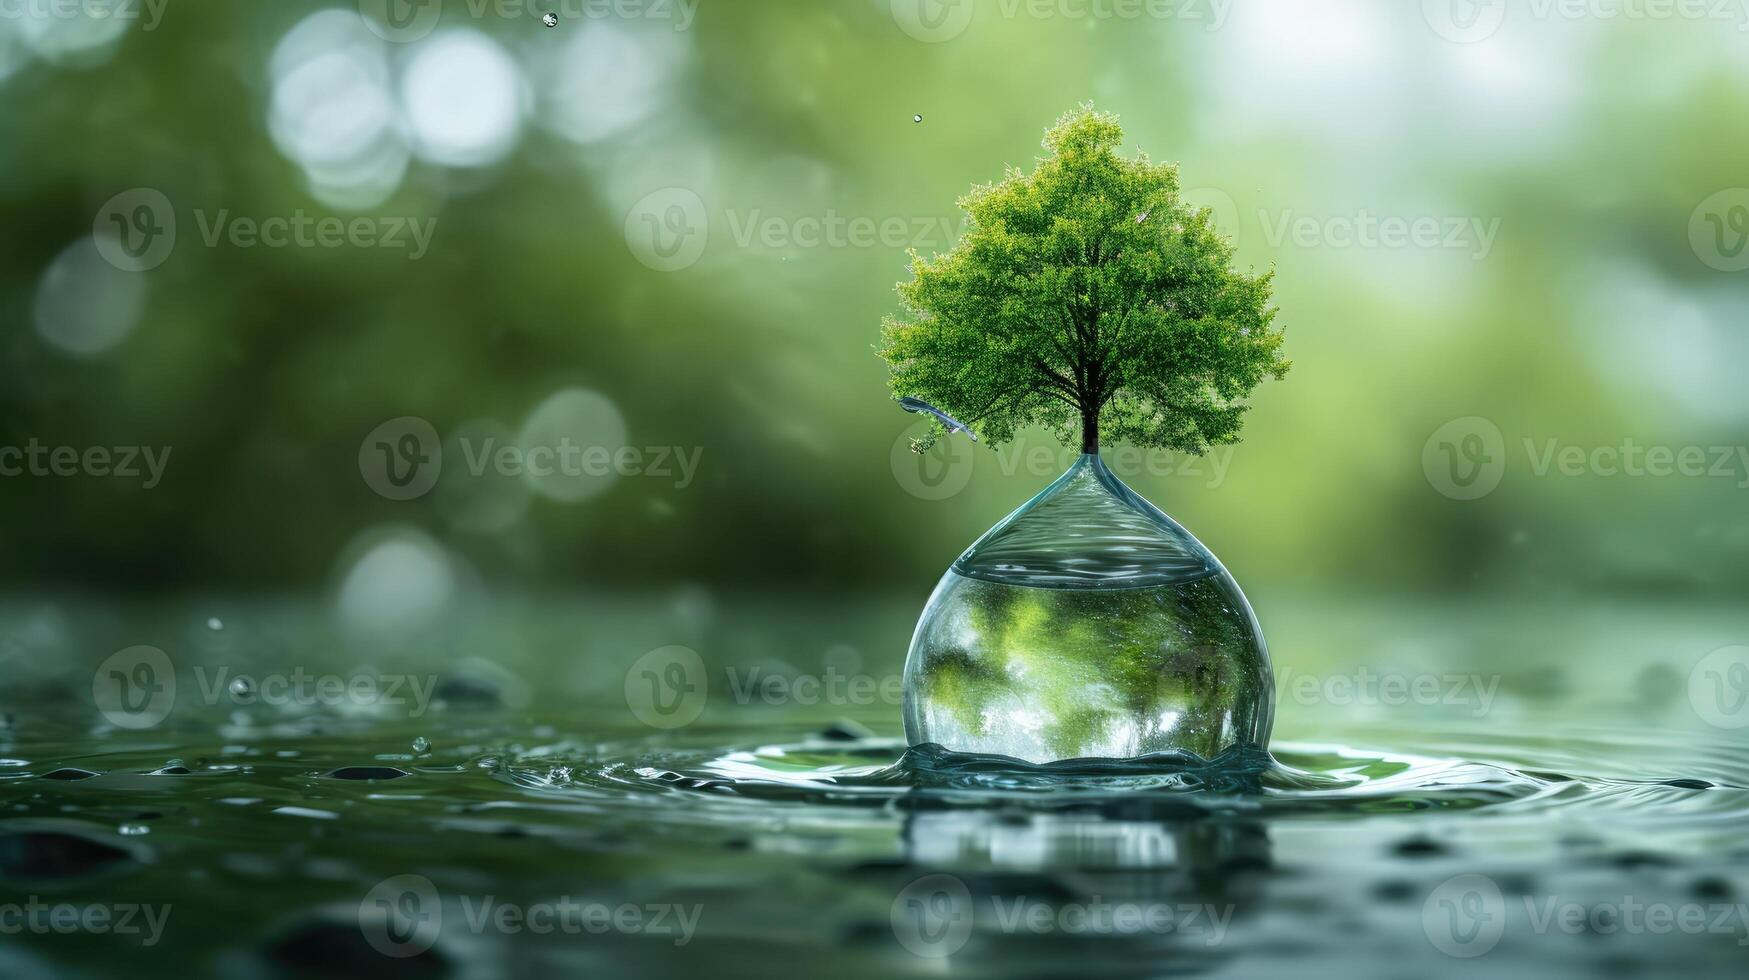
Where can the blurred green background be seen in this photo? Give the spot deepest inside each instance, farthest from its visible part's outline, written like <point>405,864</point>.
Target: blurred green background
<point>679,227</point>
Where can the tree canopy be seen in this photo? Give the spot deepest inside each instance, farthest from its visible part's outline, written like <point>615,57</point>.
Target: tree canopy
<point>1090,298</point>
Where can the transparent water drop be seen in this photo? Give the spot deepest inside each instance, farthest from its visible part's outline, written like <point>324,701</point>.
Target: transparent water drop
<point>1088,624</point>
<point>215,624</point>
<point>133,830</point>
<point>421,745</point>
<point>917,118</point>
<point>242,686</point>
<point>551,20</point>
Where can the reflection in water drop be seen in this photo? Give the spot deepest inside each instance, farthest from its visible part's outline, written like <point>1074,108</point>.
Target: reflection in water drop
<point>14,52</point>
<point>607,80</point>
<point>476,492</point>
<point>570,444</point>
<point>421,745</point>
<point>67,34</point>
<point>401,581</point>
<point>463,98</point>
<point>84,305</point>
<point>550,19</point>
<point>332,110</point>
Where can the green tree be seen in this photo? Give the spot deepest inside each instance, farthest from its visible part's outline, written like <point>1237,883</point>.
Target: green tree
<point>1090,298</point>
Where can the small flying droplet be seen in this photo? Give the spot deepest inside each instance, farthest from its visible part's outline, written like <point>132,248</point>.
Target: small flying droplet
<point>918,406</point>
<point>215,624</point>
<point>917,118</point>
<point>242,687</point>
<point>550,19</point>
<point>421,745</point>
<point>133,830</point>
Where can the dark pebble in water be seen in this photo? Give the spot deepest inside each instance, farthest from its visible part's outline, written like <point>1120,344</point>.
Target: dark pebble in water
<point>337,949</point>
<point>845,730</point>
<point>1711,888</point>
<point>880,867</point>
<point>1688,783</point>
<point>1640,859</point>
<point>1420,847</point>
<point>469,691</point>
<point>367,772</point>
<point>53,854</point>
<point>1394,891</point>
<point>1517,884</point>
<point>69,773</point>
<point>1246,862</point>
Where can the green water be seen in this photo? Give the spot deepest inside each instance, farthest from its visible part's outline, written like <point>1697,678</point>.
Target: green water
<point>542,830</point>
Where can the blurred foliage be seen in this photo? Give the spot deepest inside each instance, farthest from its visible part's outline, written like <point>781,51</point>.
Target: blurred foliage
<point>1586,318</point>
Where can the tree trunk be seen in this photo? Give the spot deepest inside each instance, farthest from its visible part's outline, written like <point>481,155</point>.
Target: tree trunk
<point>1090,433</point>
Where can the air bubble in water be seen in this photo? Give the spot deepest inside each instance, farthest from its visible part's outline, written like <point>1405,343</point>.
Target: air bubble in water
<point>421,745</point>
<point>551,20</point>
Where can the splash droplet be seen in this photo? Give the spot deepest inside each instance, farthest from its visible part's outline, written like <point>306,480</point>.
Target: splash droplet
<point>242,687</point>
<point>215,624</point>
<point>421,745</point>
<point>133,830</point>
<point>917,118</point>
<point>550,19</point>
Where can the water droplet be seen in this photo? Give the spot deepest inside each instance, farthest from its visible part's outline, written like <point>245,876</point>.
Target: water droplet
<point>917,118</point>
<point>215,624</point>
<point>551,20</point>
<point>421,745</point>
<point>133,830</point>
<point>242,687</point>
